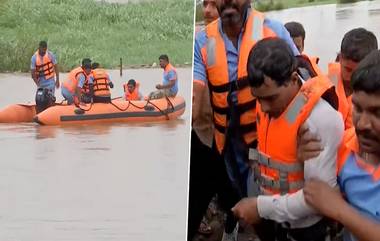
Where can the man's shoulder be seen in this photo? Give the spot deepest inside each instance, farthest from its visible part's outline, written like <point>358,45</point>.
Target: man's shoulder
<point>324,116</point>
<point>172,70</point>
<point>50,54</point>
<point>201,38</point>
<point>33,58</point>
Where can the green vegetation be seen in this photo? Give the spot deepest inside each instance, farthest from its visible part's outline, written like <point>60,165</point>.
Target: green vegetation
<point>74,29</point>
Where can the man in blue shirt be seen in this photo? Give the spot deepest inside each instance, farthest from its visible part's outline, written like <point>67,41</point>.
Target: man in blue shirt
<point>238,24</point>
<point>79,83</point>
<point>358,162</point>
<point>169,86</point>
<point>44,68</point>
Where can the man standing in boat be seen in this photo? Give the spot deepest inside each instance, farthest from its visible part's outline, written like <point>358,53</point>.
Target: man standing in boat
<point>44,68</point>
<point>169,86</point>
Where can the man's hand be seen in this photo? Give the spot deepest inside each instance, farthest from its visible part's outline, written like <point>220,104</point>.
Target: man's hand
<point>308,144</point>
<point>325,199</point>
<point>246,210</point>
<point>57,83</point>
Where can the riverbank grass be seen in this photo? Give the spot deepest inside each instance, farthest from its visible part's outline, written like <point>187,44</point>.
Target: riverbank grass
<point>105,32</point>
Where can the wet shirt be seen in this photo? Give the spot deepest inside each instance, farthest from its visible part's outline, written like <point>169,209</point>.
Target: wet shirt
<point>170,74</point>
<point>362,189</point>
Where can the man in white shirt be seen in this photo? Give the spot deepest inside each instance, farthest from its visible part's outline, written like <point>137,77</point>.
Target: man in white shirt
<point>285,104</point>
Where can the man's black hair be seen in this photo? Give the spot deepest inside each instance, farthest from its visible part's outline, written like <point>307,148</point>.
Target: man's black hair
<point>86,63</point>
<point>366,77</point>
<point>357,43</point>
<point>95,65</point>
<point>131,82</point>
<point>270,57</point>
<point>295,29</point>
<point>43,44</point>
<point>164,57</point>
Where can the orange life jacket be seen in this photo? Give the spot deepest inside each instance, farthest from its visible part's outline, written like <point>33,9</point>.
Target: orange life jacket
<point>44,68</point>
<point>72,81</point>
<point>86,86</point>
<point>214,56</point>
<point>345,104</point>
<point>134,95</point>
<point>275,163</point>
<point>349,146</point>
<point>101,83</point>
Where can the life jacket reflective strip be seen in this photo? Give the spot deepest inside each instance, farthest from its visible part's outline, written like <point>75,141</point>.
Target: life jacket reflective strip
<point>134,95</point>
<point>101,83</point>
<point>345,104</point>
<point>215,59</point>
<point>275,161</point>
<point>44,68</point>
<point>72,81</point>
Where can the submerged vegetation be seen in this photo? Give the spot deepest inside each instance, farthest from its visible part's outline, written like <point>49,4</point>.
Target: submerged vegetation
<point>105,32</point>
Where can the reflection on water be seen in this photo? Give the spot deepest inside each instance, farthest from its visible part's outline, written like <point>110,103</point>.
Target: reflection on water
<point>374,11</point>
<point>326,25</point>
<point>121,181</point>
<point>344,13</point>
<point>43,132</point>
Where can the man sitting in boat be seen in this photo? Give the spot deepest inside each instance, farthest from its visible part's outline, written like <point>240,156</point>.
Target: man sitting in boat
<point>102,84</point>
<point>44,68</point>
<point>78,77</point>
<point>169,86</point>
<point>131,90</point>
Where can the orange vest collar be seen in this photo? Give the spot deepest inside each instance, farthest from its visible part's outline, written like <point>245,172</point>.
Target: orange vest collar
<point>168,67</point>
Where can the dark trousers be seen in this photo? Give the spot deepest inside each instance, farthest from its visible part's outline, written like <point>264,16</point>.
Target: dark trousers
<point>208,177</point>
<point>269,230</point>
<point>101,99</point>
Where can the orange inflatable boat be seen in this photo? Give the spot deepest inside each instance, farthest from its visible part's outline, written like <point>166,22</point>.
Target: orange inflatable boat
<point>117,111</point>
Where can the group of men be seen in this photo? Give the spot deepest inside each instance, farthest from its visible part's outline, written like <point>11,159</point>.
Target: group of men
<point>276,138</point>
<point>89,83</point>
